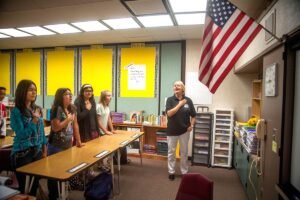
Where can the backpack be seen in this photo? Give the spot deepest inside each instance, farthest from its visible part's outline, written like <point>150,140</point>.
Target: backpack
<point>100,187</point>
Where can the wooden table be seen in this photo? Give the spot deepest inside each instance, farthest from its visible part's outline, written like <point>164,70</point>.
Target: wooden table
<point>9,140</point>
<point>58,166</point>
<point>6,142</point>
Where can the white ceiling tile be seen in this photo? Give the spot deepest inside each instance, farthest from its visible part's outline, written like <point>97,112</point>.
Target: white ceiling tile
<point>144,7</point>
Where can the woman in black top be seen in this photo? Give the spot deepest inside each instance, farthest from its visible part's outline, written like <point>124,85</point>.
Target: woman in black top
<point>86,114</point>
<point>181,119</point>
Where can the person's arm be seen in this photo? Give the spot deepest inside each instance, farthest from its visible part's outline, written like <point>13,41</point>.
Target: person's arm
<point>57,125</point>
<point>110,125</point>
<point>100,125</point>
<point>76,133</point>
<point>44,151</point>
<point>193,121</point>
<point>192,114</point>
<point>17,125</point>
<point>174,110</point>
<point>81,113</point>
<point>43,139</point>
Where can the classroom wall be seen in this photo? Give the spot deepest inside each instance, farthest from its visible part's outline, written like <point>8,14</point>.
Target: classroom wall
<point>287,19</point>
<point>234,92</point>
<point>66,71</point>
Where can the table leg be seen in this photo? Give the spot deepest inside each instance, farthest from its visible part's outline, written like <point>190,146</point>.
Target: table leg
<point>63,191</point>
<point>27,186</point>
<point>141,151</point>
<point>31,183</point>
<point>119,159</point>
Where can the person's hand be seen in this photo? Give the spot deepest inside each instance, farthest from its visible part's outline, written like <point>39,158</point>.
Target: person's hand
<point>36,115</point>
<point>182,102</point>
<point>44,155</point>
<point>114,131</point>
<point>79,144</point>
<point>70,117</point>
<point>190,128</point>
<point>108,133</point>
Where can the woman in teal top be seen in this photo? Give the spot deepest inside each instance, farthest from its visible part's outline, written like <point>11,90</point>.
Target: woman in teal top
<point>27,122</point>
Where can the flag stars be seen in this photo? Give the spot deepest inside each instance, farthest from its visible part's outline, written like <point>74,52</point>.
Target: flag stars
<point>220,11</point>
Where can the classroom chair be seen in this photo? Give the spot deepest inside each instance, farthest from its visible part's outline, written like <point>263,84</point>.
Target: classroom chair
<point>195,187</point>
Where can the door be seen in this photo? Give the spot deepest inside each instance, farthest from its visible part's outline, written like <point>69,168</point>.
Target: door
<point>272,113</point>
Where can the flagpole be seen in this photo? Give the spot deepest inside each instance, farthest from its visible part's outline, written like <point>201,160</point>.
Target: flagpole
<point>268,31</point>
<point>273,35</point>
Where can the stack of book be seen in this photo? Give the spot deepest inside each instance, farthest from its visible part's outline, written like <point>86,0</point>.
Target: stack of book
<point>162,144</point>
<point>148,148</point>
<point>250,139</point>
<point>118,117</point>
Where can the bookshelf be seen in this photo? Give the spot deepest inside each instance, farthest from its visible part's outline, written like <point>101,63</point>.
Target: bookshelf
<point>149,138</point>
<point>222,138</point>
<point>256,98</point>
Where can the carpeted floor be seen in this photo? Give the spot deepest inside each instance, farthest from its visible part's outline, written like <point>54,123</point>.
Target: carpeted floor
<point>150,182</point>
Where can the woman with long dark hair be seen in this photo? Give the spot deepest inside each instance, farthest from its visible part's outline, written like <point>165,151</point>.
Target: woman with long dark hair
<point>86,113</point>
<point>64,127</point>
<point>27,122</point>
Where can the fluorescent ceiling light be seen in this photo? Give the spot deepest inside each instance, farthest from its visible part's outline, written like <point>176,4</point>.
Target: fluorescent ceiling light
<point>63,28</point>
<point>14,32</point>
<point>3,36</point>
<point>90,26</point>
<point>123,23</point>
<point>156,20</point>
<point>190,19</point>
<point>37,30</point>
<point>188,5</point>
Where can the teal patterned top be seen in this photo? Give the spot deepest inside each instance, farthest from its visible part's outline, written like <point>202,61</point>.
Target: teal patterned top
<point>28,134</point>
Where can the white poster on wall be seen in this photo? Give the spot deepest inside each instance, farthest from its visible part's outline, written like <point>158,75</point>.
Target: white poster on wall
<point>196,90</point>
<point>137,77</point>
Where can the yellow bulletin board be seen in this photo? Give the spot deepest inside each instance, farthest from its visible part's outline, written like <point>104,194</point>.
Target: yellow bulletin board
<point>97,69</point>
<point>137,72</point>
<point>28,66</point>
<point>60,70</point>
<point>5,71</point>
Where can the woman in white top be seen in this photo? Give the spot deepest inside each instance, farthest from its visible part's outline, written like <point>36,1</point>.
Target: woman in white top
<point>103,113</point>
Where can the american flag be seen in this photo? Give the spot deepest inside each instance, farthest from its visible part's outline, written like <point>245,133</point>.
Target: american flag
<point>227,33</point>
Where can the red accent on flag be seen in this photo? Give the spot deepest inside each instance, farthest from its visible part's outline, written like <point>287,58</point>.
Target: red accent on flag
<point>227,34</point>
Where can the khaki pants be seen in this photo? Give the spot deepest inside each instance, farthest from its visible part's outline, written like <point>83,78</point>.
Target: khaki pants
<point>172,143</point>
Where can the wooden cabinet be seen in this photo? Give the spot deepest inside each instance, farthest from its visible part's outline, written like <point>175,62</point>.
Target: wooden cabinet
<point>201,149</point>
<point>149,138</point>
<point>222,138</point>
<point>256,98</point>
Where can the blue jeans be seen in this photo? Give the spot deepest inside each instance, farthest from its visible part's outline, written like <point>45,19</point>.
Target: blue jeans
<point>21,158</point>
<point>52,184</point>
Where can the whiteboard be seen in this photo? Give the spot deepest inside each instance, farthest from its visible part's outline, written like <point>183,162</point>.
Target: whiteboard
<point>195,90</point>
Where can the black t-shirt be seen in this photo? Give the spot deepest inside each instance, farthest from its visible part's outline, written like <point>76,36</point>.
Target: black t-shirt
<point>179,123</point>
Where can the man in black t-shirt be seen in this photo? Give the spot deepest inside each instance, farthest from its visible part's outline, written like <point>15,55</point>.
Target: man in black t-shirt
<point>181,119</point>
